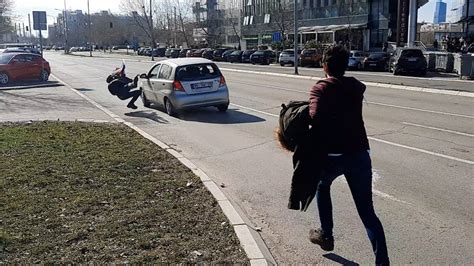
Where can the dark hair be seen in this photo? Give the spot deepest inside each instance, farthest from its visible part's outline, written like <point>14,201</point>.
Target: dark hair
<point>336,58</point>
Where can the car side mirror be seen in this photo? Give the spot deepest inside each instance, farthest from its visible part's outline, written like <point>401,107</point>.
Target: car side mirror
<point>143,76</point>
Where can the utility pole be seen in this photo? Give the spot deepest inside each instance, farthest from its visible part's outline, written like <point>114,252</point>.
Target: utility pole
<point>90,34</point>
<point>29,27</point>
<point>175,27</point>
<point>65,29</point>
<point>412,19</point>
<point>151,31</point>
<point>295,37</point>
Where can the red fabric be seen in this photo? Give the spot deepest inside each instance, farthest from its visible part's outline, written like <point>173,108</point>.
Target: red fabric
<point>336,112</point>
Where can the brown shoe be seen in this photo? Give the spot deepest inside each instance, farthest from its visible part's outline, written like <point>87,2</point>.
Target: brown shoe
<point>316,237</point>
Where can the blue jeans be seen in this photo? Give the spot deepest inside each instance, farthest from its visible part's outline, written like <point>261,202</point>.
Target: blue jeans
<point>357,168</point>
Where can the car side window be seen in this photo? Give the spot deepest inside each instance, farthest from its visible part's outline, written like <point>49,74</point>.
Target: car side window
<point>165,72</point>
<point>19,58</point>
<point>154,71</point>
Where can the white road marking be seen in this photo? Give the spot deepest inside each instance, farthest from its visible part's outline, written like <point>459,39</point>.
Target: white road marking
<point>421,110</point>
<point>379,140</point>
<point>439,129</point>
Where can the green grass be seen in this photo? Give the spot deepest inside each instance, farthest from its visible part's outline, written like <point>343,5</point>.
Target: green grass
<point>77,192</point>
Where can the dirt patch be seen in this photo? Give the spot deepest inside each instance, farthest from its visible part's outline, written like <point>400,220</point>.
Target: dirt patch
<point>75,192</point>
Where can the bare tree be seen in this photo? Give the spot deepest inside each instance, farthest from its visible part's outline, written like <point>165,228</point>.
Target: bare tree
<point>5,19</point>
<point>281,14</point>
<point>141,13</point>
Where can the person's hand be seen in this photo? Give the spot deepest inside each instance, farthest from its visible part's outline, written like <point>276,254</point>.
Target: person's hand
<point>135,81</point>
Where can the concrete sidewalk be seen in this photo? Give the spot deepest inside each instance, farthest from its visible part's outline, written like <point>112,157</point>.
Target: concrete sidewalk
<point>46,101</point>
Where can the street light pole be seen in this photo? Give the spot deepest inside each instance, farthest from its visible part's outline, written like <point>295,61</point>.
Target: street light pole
<point>65,29</point>
<point>151,32</point>
<point>295,38</point>
<point>90,34</point>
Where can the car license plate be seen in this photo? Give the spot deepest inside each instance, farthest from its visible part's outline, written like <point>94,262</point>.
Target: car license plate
<point>372,64</point>
<point>201,85</point>
<point>411,59</point>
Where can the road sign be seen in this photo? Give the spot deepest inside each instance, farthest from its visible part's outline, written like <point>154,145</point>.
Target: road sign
<point>39,20</point>
<point>276,37</point>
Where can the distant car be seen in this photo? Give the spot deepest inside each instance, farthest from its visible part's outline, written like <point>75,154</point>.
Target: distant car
<point>181,83</point>
<point>190,52</point>
<point>355,59</point>
<point>225,55</point>
<point>310,57</point>
<point>377,61</point>
<point>172,52</point>
<point>197,53</point>
<point>287,57</point>
<point>22,50</point>
<point>23,66</point>
<point>235,56</point>
<point>264,57</point>
<point>183,52</point>
<point>246,56</point>
<point>208,54</point>
<point>73,49</point>
<point>217,55</point>
<point>159,52</point>
<point>408,60</point>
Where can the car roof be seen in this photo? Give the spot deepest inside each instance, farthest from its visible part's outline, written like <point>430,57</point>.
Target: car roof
<point>186,61</point>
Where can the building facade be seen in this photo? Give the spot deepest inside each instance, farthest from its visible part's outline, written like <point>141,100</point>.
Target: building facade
<point>440,12</point>
<point>462,11</point>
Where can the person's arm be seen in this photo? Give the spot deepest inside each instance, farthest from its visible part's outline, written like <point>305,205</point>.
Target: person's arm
<point>315,95</point>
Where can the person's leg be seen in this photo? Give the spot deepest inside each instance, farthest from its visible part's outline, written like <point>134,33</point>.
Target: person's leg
<point>134,94</point>
<point>359,177</point>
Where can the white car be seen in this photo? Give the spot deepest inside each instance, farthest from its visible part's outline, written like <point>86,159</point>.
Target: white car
<point>181,83</point>
<point>356,59</point>
<point>287,57</point>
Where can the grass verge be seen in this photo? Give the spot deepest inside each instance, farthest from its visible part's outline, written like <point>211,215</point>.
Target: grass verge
<point>75,192</point>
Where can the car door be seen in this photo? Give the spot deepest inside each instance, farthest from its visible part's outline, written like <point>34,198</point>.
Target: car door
<point>18,68</point>
<point>150,83</point>
<point>32,66</point>
<point>164,83</point>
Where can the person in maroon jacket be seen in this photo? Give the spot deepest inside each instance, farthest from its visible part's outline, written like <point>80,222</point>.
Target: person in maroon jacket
<point>338,131</point>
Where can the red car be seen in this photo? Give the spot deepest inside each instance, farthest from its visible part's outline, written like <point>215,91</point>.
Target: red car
<point>23,66</point>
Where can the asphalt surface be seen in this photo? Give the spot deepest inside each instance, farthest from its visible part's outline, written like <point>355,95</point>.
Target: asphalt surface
<point>422,150</point>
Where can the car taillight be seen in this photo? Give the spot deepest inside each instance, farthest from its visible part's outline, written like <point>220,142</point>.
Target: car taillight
<point>177,86</point>
<point>222,81</point>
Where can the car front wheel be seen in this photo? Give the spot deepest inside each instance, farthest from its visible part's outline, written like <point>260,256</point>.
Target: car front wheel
<point>4,79</point>
<point>44,75</point>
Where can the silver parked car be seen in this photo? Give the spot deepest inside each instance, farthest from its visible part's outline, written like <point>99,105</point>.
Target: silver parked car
<point>182,83</point>
<point>356,59</point>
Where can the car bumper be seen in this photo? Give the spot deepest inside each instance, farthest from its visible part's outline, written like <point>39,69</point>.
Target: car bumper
<point>181,100</point>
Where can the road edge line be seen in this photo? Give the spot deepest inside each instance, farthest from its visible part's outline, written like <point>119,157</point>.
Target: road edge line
<point>367,83</point>
<point>241,229</point>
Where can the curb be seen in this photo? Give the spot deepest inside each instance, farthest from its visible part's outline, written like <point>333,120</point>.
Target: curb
<point>248,243</point>
<point>374,84</point>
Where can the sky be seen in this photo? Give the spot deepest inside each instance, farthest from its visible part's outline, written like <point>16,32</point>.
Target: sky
<point>24,7</point>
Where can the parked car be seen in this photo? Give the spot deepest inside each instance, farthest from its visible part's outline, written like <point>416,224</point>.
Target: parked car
<point>246,56</point>
<point>208,54</point>
<point>23,66</point>
<point>263,57</point>
<point>287,57</point>
<point>177,84</point>
<point>159,52</point>
<point>217,55</point>
<point>73,49</point>
<point>172,52</point>
<point>355,59</point>
<point>311,57</point>
<point>235,56</point>
<point>141,51</point>
<point>198,53</point>
<point>183,52</point>
<point>408,60</point>
<point>377,61</point>
<point>190,52</point>
<point>225,55</point>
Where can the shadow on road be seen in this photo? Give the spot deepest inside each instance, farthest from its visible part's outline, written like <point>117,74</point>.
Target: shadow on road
<point>84,89</point>
<point>339,259</point>
<point>211,115</point>
<point>30,85</point>
<point>152,115</point>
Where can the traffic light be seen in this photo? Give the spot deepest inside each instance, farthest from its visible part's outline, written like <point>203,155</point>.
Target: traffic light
<point>27,29</point>
<point>111,25</point>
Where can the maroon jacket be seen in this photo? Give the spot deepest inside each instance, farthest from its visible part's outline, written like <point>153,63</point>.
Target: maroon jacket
<point>336,111</point>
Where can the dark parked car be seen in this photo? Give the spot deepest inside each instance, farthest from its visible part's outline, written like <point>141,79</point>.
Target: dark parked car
<point>172,52</point>
<point>225,55</point>
<point>183,52</point>
<point>197,53</point>
<point>408,60</point>
<point>217,55</point>
<point>190,52</point>
<point>235,56</point>
<point>310,57</point>
<point>377,61</point>
<point>264,57</point>
<point>246,56</point>
<point>208,54</point>
<point>160,52</point>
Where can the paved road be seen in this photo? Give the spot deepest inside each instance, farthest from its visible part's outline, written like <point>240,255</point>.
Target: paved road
<point>422,146</point>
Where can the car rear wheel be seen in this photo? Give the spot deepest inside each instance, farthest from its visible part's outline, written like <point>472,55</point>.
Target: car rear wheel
<point>170,110</point>
<point>44,75</point>
<point>282,64</point>
<point>145,101</point>
<point>223,107</point>
<point>4,79</point>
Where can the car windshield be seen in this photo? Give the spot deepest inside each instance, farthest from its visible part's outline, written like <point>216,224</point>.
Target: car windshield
<point>309,52</point>
<point>5,58</point>
<point>376,56</point>
<point>258,53</point>
<point>236,52</point>
<point>412,53</point>
<point>197,72</point>
<point>248,52</point>
<point>288,52</point>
